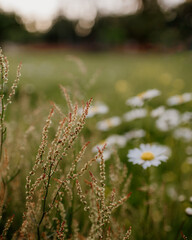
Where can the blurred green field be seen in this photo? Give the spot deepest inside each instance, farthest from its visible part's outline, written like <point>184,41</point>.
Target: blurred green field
<point>106,76</point>
<point>112,77</point>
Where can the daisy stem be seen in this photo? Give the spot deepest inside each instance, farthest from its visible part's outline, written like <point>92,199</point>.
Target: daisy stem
<point>180,229</point>
<point>147,211</point>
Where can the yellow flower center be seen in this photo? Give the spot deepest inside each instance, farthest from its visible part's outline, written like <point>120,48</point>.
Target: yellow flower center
<point>109,123</point>
<point>181,99</point>
<point>141,95</point>
<point>147,156</point>
<point>94,109</point>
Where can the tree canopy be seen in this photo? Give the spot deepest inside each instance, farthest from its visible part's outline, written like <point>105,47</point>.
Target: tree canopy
<point>149,25</point>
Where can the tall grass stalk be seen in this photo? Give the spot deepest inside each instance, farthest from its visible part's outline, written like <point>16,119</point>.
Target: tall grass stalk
<point>5,100</point>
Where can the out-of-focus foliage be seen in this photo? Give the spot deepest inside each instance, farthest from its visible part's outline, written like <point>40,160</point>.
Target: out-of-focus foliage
<point>149,25</point>
<point>62,30</point>
<point>12,30</point>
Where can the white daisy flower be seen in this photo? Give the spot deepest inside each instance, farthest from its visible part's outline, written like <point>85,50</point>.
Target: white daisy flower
<point>168,120</point>
<point>139,133</point>
<point>183,133</point>
<point>186,117</point>
<point>181,198</point>
<point>113,140</point>
<point>157,112</point>
<point>116,140</point>
<point>135,114</point>
<point>179,99</point>
<point>98,108</point>
<point>148,155</point>
<point>138,100</point>
<point>108,123</point>
<point>151,94</point>
<point>188,211</point>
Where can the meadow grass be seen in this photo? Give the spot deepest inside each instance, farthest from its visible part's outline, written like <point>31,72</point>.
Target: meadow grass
<point>104,75</point>
<point>160,195</point>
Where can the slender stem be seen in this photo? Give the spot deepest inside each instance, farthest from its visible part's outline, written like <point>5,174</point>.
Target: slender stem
<point>180,228</point>
<point>44,203</point>
<point>1,114</point>
<point>147,212</point>
<point>71,213</point>
<point>71,210</point>
<point>13,176</point>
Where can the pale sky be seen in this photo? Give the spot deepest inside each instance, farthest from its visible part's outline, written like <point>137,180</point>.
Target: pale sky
<point>43,12</point>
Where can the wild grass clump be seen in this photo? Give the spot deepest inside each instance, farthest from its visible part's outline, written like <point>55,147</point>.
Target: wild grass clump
<point>60,202</point>
<point>7,174</point>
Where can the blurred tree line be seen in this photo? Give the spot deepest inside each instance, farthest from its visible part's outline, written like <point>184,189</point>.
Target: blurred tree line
<point>149,25</point>
<point>12,30</point>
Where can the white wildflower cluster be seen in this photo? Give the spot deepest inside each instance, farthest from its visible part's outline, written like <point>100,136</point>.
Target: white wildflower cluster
<point>139,100</point>
<point>183,133</point>
<point>157,112</point>
<point>134,114</point>
<point>170,121</point>
<point>117,141</point>
<point>179,99</point>
<point>138,133</point>
<point>97,109</point>
<point>109,123</point>
<point>115,121</point>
